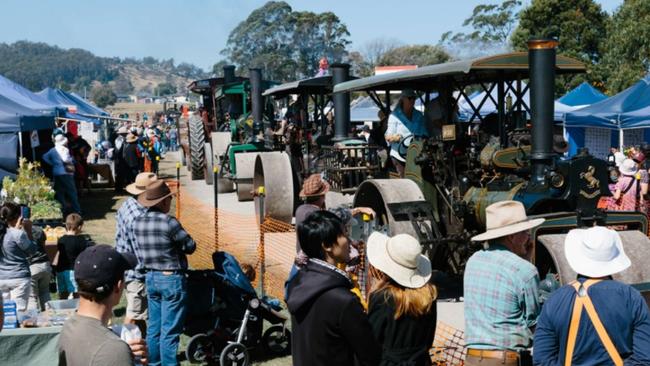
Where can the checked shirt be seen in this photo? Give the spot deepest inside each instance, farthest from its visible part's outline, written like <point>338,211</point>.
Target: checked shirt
<point>124,237</point>
<point>162,242</point>
<point>501,300</point>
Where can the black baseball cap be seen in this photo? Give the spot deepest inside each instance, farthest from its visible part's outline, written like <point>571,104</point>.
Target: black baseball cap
<point>101,266</point>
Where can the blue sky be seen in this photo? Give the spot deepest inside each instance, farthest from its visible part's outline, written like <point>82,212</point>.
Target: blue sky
<point>196,30</point>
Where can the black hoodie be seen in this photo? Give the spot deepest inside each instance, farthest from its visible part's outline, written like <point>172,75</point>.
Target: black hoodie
<point>328,324</point>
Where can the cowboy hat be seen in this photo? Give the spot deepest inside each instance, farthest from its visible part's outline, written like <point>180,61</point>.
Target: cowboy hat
<point>155,193</point>
<point>313,186</point>
<point>629,167</point>
<point>400,258</point>
<point>142,180</point>
<point>131,138</point>
<point>595,252</point>
<point>505,218</point>
<point>122,130</point>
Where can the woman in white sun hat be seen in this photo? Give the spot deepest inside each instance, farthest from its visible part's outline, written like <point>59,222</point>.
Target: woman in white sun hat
<point>402,309</point>
<point>628,191</point>
<point>594,320</point>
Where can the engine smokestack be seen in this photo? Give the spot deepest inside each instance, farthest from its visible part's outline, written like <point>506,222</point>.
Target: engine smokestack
<point>541,60</point>
<point>257,101</point>
<point>229,74</point>
<point>340,74</point>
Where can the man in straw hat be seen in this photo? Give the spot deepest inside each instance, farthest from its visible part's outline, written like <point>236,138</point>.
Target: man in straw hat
<point>125,242</point>
<point>501,288</point>
<point>162,245</point>
<point>121,169</point>
<point>594,320</point>
<point>131,157</point>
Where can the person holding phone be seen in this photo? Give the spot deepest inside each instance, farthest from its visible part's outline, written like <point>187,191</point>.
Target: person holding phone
<point>17,247</point>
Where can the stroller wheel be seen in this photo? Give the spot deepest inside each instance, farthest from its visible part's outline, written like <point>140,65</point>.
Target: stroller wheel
<point>234,354</point>
<point>200,349</point>
<point>277,340</point>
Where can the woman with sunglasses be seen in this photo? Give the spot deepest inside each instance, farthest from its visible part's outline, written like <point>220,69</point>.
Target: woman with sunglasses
<point>403,122</point>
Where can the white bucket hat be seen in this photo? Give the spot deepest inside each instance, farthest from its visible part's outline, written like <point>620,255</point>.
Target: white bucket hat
<point>505,218</point>
<point>595,252</point>
<point>400,258</point>
<point>629,167</point>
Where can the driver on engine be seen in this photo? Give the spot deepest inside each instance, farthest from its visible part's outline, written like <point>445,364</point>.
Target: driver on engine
<point>405,121</point>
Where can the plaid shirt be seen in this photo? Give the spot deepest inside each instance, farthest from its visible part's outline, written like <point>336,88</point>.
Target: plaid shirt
<point>124,237</point>
<point>501,300</point>
<point>162,242</point>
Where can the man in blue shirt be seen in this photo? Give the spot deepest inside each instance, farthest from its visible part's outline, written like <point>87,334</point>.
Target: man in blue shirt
<point>621,313</point>
<point>501,289</point>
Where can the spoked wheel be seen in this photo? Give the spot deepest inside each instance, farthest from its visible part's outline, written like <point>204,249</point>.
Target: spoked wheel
<point>277,340</point>
<point>235,354</point>
<point>200,349</point>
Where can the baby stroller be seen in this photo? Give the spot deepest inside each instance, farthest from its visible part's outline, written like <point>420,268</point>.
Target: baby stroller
<point>225,317</point>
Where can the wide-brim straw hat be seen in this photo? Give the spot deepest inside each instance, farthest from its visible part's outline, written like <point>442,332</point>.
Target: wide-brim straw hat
<point>314,186</point>
<point>505,218</point>
<point>142,180</point>
<point>400,258</point>
<point>131,138</point>
<point>595,252</point>
<point>155,193</point>
<point>629,167</point>
<point>122,130</point>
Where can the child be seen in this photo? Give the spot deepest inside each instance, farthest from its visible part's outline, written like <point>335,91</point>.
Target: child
<point>69,247</point>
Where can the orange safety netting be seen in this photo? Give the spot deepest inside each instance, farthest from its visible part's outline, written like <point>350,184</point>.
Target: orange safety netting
<point>448,346</point>
<point>271,252</point>
<point>239,234</point>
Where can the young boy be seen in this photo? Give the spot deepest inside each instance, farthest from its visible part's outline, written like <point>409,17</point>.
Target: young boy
<point>69,247</point>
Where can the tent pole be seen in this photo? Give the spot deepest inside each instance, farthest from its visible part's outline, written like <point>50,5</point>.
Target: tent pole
<point>20,144</point>
<point>620,140</point>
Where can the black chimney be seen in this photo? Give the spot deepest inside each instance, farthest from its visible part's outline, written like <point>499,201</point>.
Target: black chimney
<point>541,61</point>
<point>229,74</point>
<point>340,74</point>
<point>255,77</point>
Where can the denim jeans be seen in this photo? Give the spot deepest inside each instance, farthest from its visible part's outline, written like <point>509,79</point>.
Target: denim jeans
<point>167,297</point>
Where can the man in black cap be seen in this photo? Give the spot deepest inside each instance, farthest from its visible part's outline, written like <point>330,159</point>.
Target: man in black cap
<point>85,339</point>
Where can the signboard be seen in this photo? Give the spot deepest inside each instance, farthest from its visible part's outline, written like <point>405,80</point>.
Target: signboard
<point>33,137</point>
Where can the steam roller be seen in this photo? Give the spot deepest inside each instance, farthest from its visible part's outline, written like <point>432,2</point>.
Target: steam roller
<point>245,168</point>
<point>273,172</point>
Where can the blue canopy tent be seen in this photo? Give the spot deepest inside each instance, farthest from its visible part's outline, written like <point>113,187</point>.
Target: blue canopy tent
<point>621,113</point>
<point>77,108</point>
<point>583,95</point>
<point>20,111</point>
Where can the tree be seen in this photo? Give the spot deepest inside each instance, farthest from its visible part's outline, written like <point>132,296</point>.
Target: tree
<point>166,89</point>
<point>285,44</point>
<point>420,55</point>
<point>315,36</point>
<point>491,23</point>
<point>103,96</point>
<point>627,48</point>
<point>579,26</point>
<point>123,85</point>
<point>217,69</point>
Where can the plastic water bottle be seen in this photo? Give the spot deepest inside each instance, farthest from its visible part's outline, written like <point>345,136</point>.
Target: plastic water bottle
<point>128,332</point>
<point>11,315</point>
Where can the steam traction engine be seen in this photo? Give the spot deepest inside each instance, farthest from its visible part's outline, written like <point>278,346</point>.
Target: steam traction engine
<point>453,177</point>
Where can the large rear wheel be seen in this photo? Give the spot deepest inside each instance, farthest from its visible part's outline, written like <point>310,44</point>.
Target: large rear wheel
<point>197,148</point>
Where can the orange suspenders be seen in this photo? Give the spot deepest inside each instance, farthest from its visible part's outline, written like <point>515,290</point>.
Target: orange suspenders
<point>584,301</point>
